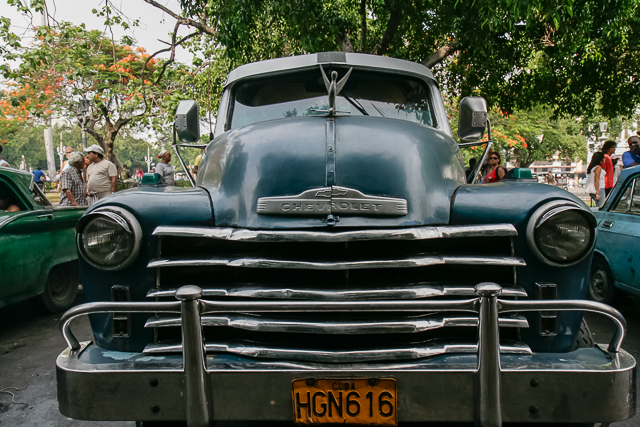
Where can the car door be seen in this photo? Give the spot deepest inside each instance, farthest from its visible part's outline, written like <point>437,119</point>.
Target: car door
<point>619,236</point>
<point>26,246</point>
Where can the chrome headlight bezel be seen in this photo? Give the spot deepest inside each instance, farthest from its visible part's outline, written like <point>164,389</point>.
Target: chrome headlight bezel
<point>550,210</point>
<point>128,223</point>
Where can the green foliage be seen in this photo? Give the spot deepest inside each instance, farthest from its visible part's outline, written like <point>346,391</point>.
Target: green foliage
<point>124,85</point>
<point>574,56</point>
<point>27,140</point>
<point>526,136</point>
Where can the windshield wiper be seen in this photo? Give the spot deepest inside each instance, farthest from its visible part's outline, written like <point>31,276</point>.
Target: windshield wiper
<point>355,103</point>
<point>378,110</point>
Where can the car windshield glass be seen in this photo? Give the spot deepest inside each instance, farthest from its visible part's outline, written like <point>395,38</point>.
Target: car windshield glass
<point>39,196</point>
<point>304,94</point>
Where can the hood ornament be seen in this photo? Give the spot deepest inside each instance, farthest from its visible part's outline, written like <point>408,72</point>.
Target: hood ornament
<point>333,89</point>
<point>332,200</point>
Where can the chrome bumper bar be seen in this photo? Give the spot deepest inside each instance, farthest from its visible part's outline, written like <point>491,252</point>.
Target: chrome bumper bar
<point>489,387</point>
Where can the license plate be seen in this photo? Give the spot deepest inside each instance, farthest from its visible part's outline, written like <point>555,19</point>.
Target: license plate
<point>345,401</point>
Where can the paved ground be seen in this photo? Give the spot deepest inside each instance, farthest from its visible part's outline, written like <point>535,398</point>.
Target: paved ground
<point>29,344</point>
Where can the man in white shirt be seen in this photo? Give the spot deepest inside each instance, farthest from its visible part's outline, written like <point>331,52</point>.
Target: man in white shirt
<point>102,175</point>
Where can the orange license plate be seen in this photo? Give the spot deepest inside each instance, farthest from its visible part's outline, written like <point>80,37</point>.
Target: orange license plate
<point>345,401</point>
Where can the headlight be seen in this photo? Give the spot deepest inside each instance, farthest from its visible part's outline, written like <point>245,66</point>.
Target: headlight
<point>561,233</point>
<point>109,238</point>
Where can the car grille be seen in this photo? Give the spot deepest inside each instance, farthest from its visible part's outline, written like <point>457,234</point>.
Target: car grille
<point>358,265</point>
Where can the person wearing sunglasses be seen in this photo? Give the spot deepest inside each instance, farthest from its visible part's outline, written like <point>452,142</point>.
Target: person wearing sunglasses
<point>494,172</point>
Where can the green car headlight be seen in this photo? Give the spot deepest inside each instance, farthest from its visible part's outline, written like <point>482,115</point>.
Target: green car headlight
<point>109,238</point>
<point>561,233</point>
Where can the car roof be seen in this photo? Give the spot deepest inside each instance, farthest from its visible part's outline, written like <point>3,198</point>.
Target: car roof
<point>302,62</point>
<point>628,171</point>
<point>19,177</point>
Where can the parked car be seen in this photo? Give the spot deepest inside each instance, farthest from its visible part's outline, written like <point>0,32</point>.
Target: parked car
<point>38,256</point>
<point>616,264</point>
<point>333,265</point>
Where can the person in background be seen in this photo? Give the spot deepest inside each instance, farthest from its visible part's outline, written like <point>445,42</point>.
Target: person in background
<point>102,175</point>
<point>495,172</point>
<point>164,169</point>
<point>596,178</point>
<point>550,179</point>
<point>138,173</point>
<point>6,205</point>
<point>472,165</point>
<point>125,173</point>
<point>40,177</point>
<point>67,152</point>
<point>196,163</point>
<point>608,148</point>
<point>617,168</point>
<point>3,163</point>
<point>56,179</point>
<point>632,157</point>
<point>73,191</point>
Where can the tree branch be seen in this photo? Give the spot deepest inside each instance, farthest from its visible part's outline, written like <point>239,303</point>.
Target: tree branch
<point>363,25</point>
<point>345,43</point>
<point>201,26</point>
<point>440,55</point>
<point>95,134</point>
<point>392,28</point>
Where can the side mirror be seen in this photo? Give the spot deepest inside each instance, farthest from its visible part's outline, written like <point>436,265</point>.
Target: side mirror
<point>187,123</point>
<point>473,118</point>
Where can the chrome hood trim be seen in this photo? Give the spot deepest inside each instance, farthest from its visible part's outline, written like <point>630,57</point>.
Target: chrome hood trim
<point>398,326</point>
<point>389,292</point>
<point>419,351</point>
<point>416,261</point>
<point>416,233</point>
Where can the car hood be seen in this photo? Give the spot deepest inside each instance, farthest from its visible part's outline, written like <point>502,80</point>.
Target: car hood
<point>315,159</point>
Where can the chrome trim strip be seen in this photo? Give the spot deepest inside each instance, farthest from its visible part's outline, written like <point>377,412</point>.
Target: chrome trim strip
<point>417,233</point>
<point>277,291</point>
<point>423,350</point>
<point>303,326</point>
<point>416,261</point>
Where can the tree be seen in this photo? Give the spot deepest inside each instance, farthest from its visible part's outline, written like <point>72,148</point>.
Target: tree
<point>125,86</point>
<point>526,136</point>
<point>570,55</point>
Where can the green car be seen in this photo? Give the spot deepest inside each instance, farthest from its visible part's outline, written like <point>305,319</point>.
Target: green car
<point>38,257</point>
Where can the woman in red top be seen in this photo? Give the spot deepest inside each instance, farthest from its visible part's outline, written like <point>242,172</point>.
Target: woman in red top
<point>495,172</point>
<point>608,148</point>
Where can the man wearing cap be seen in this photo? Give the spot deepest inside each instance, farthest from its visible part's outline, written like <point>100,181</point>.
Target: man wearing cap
<point>632,157</point>
<point>165,170</point>
<point>72,191</point>
<point>102,175</point>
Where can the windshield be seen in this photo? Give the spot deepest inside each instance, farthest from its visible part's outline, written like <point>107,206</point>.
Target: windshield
<point>304,94</point>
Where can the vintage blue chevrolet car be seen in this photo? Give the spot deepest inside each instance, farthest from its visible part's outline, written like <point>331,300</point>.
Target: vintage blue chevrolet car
<point>332,264</point>
<point>616,263</point>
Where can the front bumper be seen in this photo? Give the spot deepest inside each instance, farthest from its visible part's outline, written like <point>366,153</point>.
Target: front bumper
<point>586,385</point>
<point>489,387</point>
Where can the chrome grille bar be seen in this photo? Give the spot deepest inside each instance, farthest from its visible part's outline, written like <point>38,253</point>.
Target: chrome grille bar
<point>417,233</point>
<point>419,351</point>
<point>398,326</point>
<point>389,292</point>
<point>410,262</point>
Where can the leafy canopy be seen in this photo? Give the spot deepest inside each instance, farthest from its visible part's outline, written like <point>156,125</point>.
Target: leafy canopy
<point>575,56</point>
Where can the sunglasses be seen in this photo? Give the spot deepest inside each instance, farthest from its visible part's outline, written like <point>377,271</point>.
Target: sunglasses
<point>494,158</point>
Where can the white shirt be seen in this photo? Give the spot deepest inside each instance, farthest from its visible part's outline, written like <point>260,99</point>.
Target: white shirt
<point>4,163</point>
<point>591,178</point>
